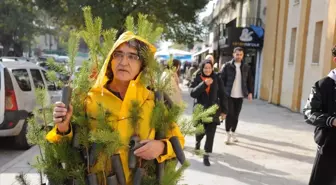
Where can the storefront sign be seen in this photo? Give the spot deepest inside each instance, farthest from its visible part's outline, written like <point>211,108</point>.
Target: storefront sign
<point>243,37</point>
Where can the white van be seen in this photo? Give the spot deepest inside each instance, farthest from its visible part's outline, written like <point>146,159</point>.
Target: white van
<point>18,81</point>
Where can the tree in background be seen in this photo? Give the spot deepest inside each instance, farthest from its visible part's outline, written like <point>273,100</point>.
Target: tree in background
<point>178,18</point>
<point>19,23</point>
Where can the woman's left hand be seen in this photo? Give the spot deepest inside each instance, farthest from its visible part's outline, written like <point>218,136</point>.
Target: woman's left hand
<point>151,150</point>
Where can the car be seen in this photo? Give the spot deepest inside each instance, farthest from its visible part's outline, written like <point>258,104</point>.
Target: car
<point>13,59</point>
<point>18,81</point>
<point>62,59</point>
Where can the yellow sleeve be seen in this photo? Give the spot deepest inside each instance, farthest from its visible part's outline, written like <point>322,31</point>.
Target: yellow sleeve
<point>170,152</point>
<point>54,137</point>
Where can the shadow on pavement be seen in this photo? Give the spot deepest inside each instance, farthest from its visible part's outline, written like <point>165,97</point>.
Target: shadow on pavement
<point>261,112</point>
<point>280,153</point>
<point>280,143</point>
<point>263,140</point>
<point>227,165</point>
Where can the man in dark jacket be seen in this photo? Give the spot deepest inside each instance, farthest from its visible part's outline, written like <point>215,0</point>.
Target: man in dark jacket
<point>238,83</point>
<point>320,111</point>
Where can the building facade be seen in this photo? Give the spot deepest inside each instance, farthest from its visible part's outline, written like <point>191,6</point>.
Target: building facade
<point>298,40</point>
<point>239,23</point>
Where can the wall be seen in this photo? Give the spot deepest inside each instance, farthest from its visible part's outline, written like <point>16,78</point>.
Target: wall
<point>271,29</point>
<point>43,41</point>
<point>313,71</point>
<point>289,68</point>
<point>263,9</point>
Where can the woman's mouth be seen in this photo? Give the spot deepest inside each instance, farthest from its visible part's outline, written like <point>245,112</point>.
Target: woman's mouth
<point>122,70</point>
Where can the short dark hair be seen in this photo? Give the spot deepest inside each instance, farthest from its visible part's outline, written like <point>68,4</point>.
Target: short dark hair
<point>176,63</point>
<point>334,51</point>
<point>238,49</point>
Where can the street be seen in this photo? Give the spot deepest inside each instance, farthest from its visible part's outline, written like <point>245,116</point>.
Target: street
<point>275,148</point>
<point>7,152</point>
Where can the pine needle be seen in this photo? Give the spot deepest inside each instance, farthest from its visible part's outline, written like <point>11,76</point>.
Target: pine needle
<point>171,175</point>
<point>130,24</point>
<point>22,179</point>
<point>134,114</point>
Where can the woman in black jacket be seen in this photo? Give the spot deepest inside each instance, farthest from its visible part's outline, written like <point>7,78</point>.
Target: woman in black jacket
<point>207,89</point>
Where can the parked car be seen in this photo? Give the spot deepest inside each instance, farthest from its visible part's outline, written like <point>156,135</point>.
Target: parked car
<point>13,59</point>
<point>18,81</point>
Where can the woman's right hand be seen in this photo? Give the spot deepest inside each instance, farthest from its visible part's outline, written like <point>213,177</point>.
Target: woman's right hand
<point>60,111</point>
<point>208,81</point>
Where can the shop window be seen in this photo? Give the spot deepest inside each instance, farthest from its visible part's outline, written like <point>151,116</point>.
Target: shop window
<point>292,46</point>
<point>317,42</point>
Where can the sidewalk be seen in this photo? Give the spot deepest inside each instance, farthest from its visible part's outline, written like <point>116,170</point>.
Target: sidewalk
<point>275,147</point>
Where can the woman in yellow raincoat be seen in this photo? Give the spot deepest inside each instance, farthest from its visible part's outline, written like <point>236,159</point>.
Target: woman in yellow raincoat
<point>117,85</point>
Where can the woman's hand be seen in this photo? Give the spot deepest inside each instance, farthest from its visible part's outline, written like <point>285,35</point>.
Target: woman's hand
<point>208,81</point>
<point>151,150</point>
<point>223,116</point>
<point>59,112</point>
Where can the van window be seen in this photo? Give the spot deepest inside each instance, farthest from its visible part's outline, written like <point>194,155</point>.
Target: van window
<point>37,78</point>
<point>22,78</point>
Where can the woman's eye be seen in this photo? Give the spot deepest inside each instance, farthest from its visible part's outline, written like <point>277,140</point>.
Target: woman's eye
<point>118,55</point>
<point>133,57</point>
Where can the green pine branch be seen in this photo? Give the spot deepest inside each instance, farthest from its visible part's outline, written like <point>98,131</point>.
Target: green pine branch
<point>134,114</point>
<point>52,65</point>
<point>171,175</point>
<point>109,40</point>
<point>73,45</point>
<point>129,24</point>
<point>192,126</point>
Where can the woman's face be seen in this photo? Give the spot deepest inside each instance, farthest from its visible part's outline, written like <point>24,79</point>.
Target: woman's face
<point>126,63</point>
<point>207,70</point>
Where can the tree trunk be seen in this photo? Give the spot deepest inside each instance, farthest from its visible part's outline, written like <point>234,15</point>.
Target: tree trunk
<point>18,50</point>
<point>6,41</point>
<point>5,49</point>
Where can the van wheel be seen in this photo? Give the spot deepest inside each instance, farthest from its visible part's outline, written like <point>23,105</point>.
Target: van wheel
<point>21,139</point>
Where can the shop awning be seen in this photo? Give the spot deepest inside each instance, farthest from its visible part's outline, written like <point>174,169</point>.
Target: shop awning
<point>200,52</point>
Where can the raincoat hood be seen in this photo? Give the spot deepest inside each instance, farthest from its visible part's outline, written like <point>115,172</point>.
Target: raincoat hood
<point>125,37</point>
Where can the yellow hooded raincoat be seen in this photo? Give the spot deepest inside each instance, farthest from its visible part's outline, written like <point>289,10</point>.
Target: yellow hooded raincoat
<point>136,91</point>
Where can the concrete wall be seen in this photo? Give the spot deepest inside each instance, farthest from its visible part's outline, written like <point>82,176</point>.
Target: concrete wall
<point>287,79</point>
<point>313,70</point>
<point>288,67</point>
<point>269,48</point>
<point>43,41</point>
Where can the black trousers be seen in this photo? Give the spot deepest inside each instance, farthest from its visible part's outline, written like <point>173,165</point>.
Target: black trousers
<point>234,108</point>
<point>210,130</point>
<point>324,170</point>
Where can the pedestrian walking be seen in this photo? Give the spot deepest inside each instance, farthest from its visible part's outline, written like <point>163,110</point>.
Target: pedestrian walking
<point>191,71</point>
<point>176,94</point>
<point>207,89</point>
<point>198,71</point>
<point>320,111</point>
<point>238,83</point>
